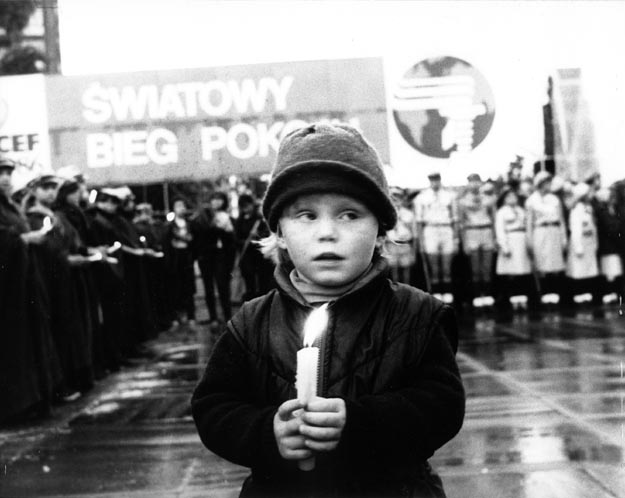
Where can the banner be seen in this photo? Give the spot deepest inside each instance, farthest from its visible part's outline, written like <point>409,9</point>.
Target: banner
<point>24,123</point>
<point>201,123</point>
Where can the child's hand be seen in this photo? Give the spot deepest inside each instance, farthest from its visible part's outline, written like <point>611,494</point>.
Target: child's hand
<point>324,420</point>
<point>286,430</point>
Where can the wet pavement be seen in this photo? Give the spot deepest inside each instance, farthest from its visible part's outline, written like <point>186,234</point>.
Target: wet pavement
<point>545,418</point>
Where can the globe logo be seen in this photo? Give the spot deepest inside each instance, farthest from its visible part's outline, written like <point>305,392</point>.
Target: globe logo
<point>443,106</point>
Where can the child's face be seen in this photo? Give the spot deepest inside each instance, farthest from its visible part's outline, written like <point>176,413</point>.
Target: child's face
<point>329,237</point>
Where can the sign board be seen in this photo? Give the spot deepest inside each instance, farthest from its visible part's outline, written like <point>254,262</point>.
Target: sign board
<point>202,123</point>
<point>24,123</point>
<point>459,114</point>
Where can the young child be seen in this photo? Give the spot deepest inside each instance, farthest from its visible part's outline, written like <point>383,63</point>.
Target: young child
<point>389,390</point>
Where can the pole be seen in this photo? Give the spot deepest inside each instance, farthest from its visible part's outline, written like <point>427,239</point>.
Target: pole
<point>165,197</point>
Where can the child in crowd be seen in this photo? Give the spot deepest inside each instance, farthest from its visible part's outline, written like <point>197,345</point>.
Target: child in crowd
<point>389,390</point>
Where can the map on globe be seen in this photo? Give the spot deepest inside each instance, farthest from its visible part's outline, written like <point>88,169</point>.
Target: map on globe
<point>443,106</point>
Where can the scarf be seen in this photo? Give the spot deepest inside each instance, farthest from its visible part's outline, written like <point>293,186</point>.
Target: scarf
<point>314,293</point>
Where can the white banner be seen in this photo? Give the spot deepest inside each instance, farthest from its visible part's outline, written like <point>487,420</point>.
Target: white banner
<point>460,113</point>
<point>24,123</point>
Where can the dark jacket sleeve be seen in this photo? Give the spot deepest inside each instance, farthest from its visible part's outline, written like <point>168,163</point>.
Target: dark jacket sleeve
<point>228,421</point>
<point>410,423</point>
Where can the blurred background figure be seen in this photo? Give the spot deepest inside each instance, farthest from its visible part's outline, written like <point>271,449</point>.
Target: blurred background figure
<point>546,231</point>
<point>611,240</point>
<point>436,217</point>
<point>249,228</point>
<point>582,267</point>
<point>30,370</point>
<point>476,211</point>
<point>214,248</point>
<point>152,236</point>
<point>514,266</point>
<point>181,273</point>
<point>70,319</point>
<point>400,246</point>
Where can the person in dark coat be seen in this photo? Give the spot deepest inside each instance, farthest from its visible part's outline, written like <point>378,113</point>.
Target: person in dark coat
<point>61,255</point>
<point>30,370</point>
<point>389,392</point>
<point>249,228</point>
<point>80,248</point>
<point>152,237</point>
<point>611,240</point>
<point>135,255</point>
<point>109,277</point>
<point>180,255</point>
<point>214,249</point>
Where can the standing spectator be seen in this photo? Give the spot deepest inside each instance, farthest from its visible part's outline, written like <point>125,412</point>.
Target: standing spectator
<point>435,212</point>
<point>514,267</point>
<point>477,214</point>
<point>215,251</point>
<point>546,232</point>
<point>81,287</point>
<point>182,276</point>
<point>581,265</point>
<point>250,227</point>
<point>29,366</point>
<point>611,240</point>
<point>68,208</point>
<point>141,320</point>
<point>109,277</point>
<point>151,237</point>
<point>69,312</point>
<point>400,244</point>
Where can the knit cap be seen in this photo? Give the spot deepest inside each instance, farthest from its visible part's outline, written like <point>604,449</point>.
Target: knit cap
<point>328,158</point>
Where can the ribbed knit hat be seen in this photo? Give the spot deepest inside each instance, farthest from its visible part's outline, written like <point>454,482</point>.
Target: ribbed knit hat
<point>328,158</point>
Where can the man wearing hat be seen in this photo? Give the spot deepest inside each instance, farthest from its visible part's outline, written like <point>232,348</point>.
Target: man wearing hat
<point>477,213</point>
<point>10,214</point>
<point>546,231</point>
<point>436,217</point>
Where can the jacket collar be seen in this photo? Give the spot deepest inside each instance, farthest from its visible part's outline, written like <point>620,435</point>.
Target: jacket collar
<point>377,272</point>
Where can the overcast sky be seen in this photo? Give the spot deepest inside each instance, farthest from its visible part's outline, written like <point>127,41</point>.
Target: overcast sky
<point>99,36</point>
<point>515,44</point>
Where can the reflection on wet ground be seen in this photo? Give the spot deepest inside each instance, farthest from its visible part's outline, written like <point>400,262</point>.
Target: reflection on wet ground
<point>545,418</point>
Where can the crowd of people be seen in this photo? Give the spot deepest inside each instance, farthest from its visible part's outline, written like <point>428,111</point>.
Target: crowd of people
<point>84,282</point>
<point>492,240</point>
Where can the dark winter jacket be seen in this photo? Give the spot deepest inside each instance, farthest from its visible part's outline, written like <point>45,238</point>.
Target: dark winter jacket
<point>609,229</point>
<point>388,352</point>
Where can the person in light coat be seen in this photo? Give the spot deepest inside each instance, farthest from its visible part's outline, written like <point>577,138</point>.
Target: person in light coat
<point>582,267</point>
<point>514,266</point>
<point>477,212</point>
<point>436,217</point>
<point>546,232</point>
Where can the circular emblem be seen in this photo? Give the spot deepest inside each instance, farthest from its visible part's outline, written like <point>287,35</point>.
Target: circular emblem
<point>443,105</point>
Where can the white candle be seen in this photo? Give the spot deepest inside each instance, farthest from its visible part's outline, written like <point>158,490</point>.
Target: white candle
<point>307,373</point>
<point>47,224</point>
<point>308,365</point>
